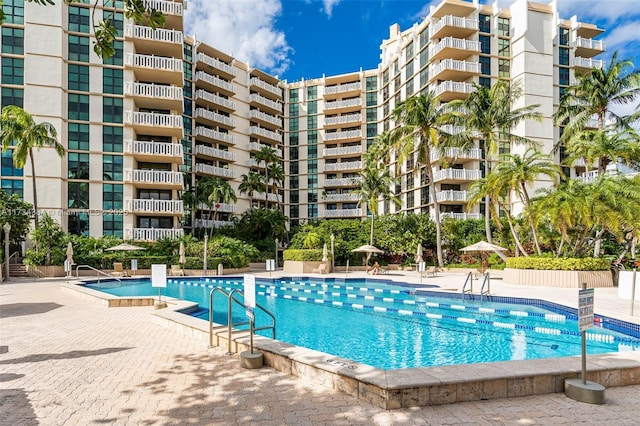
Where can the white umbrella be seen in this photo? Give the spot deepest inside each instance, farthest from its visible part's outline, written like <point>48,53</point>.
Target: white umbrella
<point>325,253</point>
<point>182,259</point>
<point>367,248</point>
<point>69,257</point>
<point>419,253</point>
<point>483,246</point>
<point>125,247</point>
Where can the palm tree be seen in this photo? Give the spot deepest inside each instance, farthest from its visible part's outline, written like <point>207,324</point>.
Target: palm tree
<point>276,176</point>
<point>604,146</point>
<point>420,120</point>
<point>18,126</point>
<point>516,172</point>
<point>489,114</point>
<point>269,156</point>
<point>220,193</point>
<point>251,183</point>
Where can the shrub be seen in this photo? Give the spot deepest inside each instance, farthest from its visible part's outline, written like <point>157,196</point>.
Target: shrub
<point>559,264</point>
<point>303,255</point>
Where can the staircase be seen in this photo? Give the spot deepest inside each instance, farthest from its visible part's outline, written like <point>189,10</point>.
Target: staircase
<point>18,270</point>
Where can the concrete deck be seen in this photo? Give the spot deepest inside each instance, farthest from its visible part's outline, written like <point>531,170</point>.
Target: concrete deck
<point>66,361</point>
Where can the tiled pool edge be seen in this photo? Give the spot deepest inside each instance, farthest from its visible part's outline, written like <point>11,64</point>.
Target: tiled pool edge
<point>390,389</point>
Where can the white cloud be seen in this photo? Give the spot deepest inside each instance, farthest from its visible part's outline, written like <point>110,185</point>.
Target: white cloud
<point>242,28</point>
<point>328,6</point>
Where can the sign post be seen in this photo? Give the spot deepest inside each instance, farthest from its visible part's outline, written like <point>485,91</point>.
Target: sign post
<point>421,269</point>
<point>159,279</point>
<point>250,359</point>
<point>271,266</point>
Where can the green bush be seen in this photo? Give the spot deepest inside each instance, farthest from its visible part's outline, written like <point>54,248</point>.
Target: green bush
<point>303,255</point>
<point>559,264</point>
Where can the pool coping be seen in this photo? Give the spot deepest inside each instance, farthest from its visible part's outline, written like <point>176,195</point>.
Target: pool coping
<point>401,388</point>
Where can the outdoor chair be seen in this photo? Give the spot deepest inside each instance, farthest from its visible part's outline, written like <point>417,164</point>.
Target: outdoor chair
<point>177,271</point>
<point>118,270</point>
<point>322,269</point>
<point>431,271</point>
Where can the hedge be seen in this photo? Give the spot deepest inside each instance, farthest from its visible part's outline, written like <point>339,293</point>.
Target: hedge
<point>298,255</point>
<point>559,264</point>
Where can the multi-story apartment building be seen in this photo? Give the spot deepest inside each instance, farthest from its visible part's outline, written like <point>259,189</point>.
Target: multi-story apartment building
<point>167,110</point>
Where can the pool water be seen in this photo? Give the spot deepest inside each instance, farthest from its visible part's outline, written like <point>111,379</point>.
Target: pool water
<point>389,325</point>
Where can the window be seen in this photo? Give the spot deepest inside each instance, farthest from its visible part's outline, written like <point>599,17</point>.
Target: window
<point>312,122</point>
<point>79,19</point>
<point>112,167</point>
<point>372,130</point>
<point>78,76</point>
<point>79,223</point>
<point>294,110</point>
<point>13,186</point>
<point>7,165</point>
<point>112,81</point>
<point>13,40</point>
<point>112,225</point>
<point>78,48</point>
<point>78,134</point>
<point>312,92</point>
<point>78,195</point>
<point>13,11</point>
<point>371,83</point>
<point>485,44</point>
<point>112,110</point>
<point>294,168</point>
<point>116,59</point>
<point>12,97</point>
<point>409,70</point>
<point>312,210</point>
<point>504,68</point>
<point>312,107</point>
<point>409,88</point>
<point>78,107</point>
<point>117,20</point>
<point>485,65</point>
<point>409,51</point>
<point>294,211</point>
<point>564,37</point>
<point>293,153</point>
<point>563,56</point>
<point>78,165</point>
<point>312,151</point>
<point>294,138</point>
<point>372,114</point>
<point>312,137</point>
<point>424,38</point>
<point>294,197</point>
<point>293,182</point>
<point>563,76</point>
<point>112,196</point>
<point>410,199</point>
<point>484,23</point>
<point>424,77</point>
<point>504,47</point>
<point>312,182</point>
<point>188,52</point>
<point>484,82</point>
<point>293,95</point>
<point>111,139</point>
<point>372,98</point>
<point>155,222</point>
<point>12,71</point>
<point>503,27</point>
<point>424,58</point>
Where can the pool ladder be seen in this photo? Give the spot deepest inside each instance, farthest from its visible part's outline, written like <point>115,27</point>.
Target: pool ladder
<point>230,324</point>
<point>486,282</point>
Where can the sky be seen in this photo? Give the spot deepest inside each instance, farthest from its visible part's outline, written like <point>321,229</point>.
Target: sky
<point>296,39</point>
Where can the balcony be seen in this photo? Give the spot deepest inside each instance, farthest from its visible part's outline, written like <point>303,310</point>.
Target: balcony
<point>152,234</point>
<point>273,198</point>
<point>155,95</point>
<point>214,100</point>
<point>348,197</point>
<point>265,119</point>
<point>451,69</point>
<point>254,163</point>
<point>166,7</point>
<point>457,155</point>
<point>349,89</point>
<point>453,26</point>
<point>207,151</point>
<point>452,196</point>
<point>450,90</point>
<point>208,223</point>
<point>162,41</point>
<point>453,130</point>
<point>342,120</point>
<point>154,151</point>
<point>347,104</point>
<point>453,7</point>
<point>214,118</point>
<point>349,181</point>
<point>343,136</point>
<point>456,175</point>
<point>219,67</point>
<point>152,123</point>
<point>159,69</point>
<point>587,48</point>
<point>214,83</point>
<point>206,169</point>
<point>453,48</point>
<point>215,135</point>
<point>265,88</point>
<point>159,179</point>
<point>170,207</point>
<point>345,150</point>
<point>349,165</point>
<point>457,216</point>
<point>343,213</point>
<point>220,207</point>
<point>584,64</point>
<point>264,133</point>
<point>256,147</point>
<point>265,104</point>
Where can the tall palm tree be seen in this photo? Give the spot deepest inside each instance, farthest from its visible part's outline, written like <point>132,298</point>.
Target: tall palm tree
<point>276,176</point>
<point>220,193</point>
<point>18,126</point>
<point>516,172</point>
<point>269,156</point>
<point>490,114</point>
<point>420,119</point>
<point>604,146</point>
<point>252,182</point>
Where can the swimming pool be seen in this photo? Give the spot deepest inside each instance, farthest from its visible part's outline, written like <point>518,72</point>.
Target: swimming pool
<point>391,326</point>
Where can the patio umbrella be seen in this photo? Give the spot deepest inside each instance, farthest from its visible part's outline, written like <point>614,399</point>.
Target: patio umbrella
<point>125,247</point>
<point>419,254</point>
<point>482,247</point>
<point>69,257</point>
<point>182,259</point>
<point>367,248</point>
<point>325,253</point>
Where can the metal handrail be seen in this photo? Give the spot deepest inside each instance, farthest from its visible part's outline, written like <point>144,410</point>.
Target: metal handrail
<point>15,254</point>
<point>486,281</point>
<point>98,271</point>
<point>230,324</point>
<point>469,281</point>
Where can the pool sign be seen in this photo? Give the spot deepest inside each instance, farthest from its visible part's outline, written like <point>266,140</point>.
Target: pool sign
<point>158,275</point>
<point>249,294</point>
<point>585,309</point>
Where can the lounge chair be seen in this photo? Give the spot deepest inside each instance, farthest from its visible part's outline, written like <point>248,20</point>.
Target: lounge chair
<point>431,271</point>
<point>322,269</point>
<point>177,271</point>
<point>118,270</point>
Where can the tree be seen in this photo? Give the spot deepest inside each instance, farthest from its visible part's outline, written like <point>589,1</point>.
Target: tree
<point>269,156</point>
<point>602,147</point>
<point>220,193</point>
<point>420,119</point>
<point>18,126</point>
<point>251,183</point>
<point>105,31</point>
<point>17,213</point>
<point>491,115</point>
<point>49,237</point>
<point>276,176</point>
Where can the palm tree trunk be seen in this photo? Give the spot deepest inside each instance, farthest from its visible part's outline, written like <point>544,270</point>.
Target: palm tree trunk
<point>515,236</point>
<point>436,216</point>
<point>559,252</point>
<point>487,199</point>
<point>524,197</point>
<point>370,240</point>
<point>35,193</point>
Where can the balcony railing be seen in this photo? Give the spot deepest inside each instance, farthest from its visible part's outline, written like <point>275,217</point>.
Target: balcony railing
<point>343,88</point>
<point>216,99</point>
<point>343,119</point>
<point>451,195</point>
<point>345,150</point>
<point>154,206</point>
<point>347,103</point>
<point>214,116</point>
<point>349,134</point>
<point>256,146</point>
<point>350,165</point>
<point>457,216</point>
<point>156,91</point>
<point>453,64</point>
<point>209,223</point>
<point>273,198</point>
<point>160,177</point>
<point>472,154</point>
<point>215,63</point>
<point>455,43</point>
<point>265,133</point>
<point>350,181</point>
<point>153,119</point>
<point>216,135</point>
<point>221,207</point>
<point>343,213</point>
<point>215,152</point>
<point>153,62</point>
<point>215,171</point>
<point>215,81</point>
<point>159,34</point>
<point>152,234</point>
<point>166,7</point>
<point>587,63</point>
<point>339,198</point>
<point>254,163</point>
<point>453,21</point>
<point>457,174</point>
<point>266,102</point>
<point>163,149</point>
<point>255,81</point>
<point>259,115</point>
<point>588,43</point>
<point>453,86</point>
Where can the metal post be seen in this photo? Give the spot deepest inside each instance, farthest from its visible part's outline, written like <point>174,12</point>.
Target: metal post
<point>333,263</point>
<point>204,260</point>
<point>251,335</point>
<point>584,349</point>
<point>276,265</point>
<point>633,289</point>
<point>7,230</point>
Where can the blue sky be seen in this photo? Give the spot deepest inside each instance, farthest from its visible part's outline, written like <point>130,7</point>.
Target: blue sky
<point>296,39</point>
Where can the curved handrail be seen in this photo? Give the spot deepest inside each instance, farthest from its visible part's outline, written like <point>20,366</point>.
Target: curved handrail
<point>469,281</point>
<point>15,254</point>
<point>98,271</point>
<point>486,281</point>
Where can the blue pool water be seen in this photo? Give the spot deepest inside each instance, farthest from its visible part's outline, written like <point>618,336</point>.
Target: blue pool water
<point>390,325</point>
